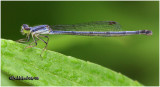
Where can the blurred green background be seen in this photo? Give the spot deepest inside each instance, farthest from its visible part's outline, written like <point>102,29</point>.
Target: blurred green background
<point>134,56</point>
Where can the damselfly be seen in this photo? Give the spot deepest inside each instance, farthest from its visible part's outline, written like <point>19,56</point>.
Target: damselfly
<point>98,28</point>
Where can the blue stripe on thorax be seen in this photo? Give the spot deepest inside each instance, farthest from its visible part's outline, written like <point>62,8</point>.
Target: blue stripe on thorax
<point>40,27</point>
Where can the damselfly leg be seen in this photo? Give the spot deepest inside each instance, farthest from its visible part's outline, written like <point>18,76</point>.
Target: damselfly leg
<point>30,45</point>
<point>34,42</point>
<point>43,41</point>
<point>24,39</point>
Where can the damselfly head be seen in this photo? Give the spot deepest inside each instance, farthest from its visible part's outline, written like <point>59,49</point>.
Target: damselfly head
<point>25,29</point>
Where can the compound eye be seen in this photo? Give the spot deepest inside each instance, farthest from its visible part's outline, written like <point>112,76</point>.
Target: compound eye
<point>26,27</point>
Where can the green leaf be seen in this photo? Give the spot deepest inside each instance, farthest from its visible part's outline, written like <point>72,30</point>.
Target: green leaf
<point>55,68</point>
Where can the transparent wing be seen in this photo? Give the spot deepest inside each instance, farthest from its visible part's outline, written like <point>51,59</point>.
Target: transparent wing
<point>90,26</point>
